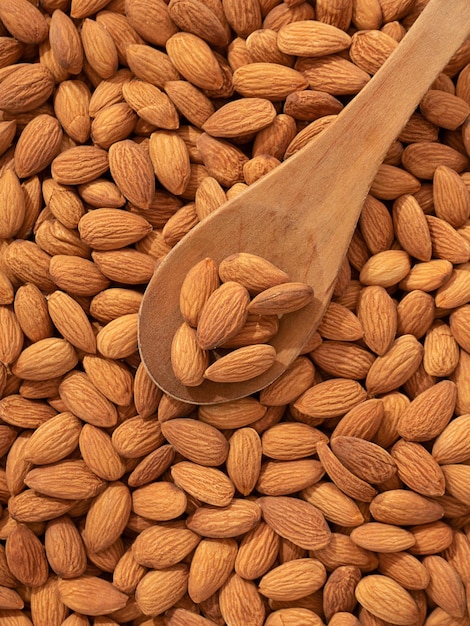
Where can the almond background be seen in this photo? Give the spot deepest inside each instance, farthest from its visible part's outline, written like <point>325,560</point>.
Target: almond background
<point>338,495</point>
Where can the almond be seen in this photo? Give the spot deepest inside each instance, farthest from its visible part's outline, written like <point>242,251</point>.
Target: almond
<point>99,48</point>
<point>338,593</point>
<point>24,21</point>
<point>99,454</point>
<point>47,358</point>
<point>297,378</point>
<point>69,479</point>
<point>343,478</point>
<point>406,569</point>
<point>188,360</point>
<point>239,117</point>
<point>137,436</point>
<point>79,165</point>
<point>101,529</point>
<point>310,38</point>
<point>452,444</point>
<point>151,104</point>
<point>26,557</point>
<point>204,581</point>
<point>71,104</point>
<point>411,228</point>
<point>365,459</point>
<point>293,580</point>
<point>393,368</point>
<point>13,206</point>
<point>418,469</point>
<point>386,599</point>
<point>65,42</point>
<point>235,519</point>
<point>369,49</point>
<point>223,315</point>
<point>242,364</point>
<point>253,272</point>
<point>132,171</point>
<point>281,478</point>
<point>295,520</point>
<point>451,197</point>
<point>109,229</point>
<point>54,440</point>
<point>194,60</point>
<point>91,595</point>
<point>445,587</point>
<point>244,459</point>
<point>159,501</point>
<point>427,276</point>
<point>404,508</point>
<point>271,81</point>
<point>161,546</point>
<point>429,413</point>
<point>335,505</point>
<point>382,538</point>
<point>206,484</point>
<point>197,441</point>
<point>27,87</point>
<point>83,399</point>
<point>333,74</point>
<point>330,398</point>
<point>240,602</point>
<point>340,324</point>
<point>281,299</point>
<point>257,552</point>
<point>38,145</point>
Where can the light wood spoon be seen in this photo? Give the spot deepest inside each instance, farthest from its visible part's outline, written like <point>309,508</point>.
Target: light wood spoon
<point>303,214</point>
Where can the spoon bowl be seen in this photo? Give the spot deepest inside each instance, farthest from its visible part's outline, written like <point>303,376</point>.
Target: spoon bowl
<point>302,215</point>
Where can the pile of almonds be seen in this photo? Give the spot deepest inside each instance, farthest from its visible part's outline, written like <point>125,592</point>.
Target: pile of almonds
<point>236,305</point>
<point>339,495</point>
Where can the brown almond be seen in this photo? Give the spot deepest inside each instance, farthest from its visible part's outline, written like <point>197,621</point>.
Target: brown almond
<point>404,508</point>
<point>233,520</point>
<point>197,441</point>
<point>365,459</point>
<point>335,505</point>
<point>244,459</point>
<point>418,469</point>
<point>310,38</point>
<point>91,595</point>
<point>223,315</point>
<point>293,580</point>
<point>132,171</point>
<point>386,599</point>
<point>343,478</point>
<point>26,556</point>
<point>194,60</point>
<point>392,369</point>
<point>429,413</point>
<point>211,565</point>
<point>382,538</point>
<point>295,520</point>
<point>242,364</point>
<point>69,479</point>
<point>330,398</point>
<point>79,165</point>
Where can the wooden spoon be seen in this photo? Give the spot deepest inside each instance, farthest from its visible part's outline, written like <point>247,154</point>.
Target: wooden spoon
<point>303,214</point>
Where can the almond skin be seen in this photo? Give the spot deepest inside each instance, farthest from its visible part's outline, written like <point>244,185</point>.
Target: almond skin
<point>386,599</point>
<point>242,364</point>
<point>296,521</point>
<point>223,315</point>
<point>91,595</point>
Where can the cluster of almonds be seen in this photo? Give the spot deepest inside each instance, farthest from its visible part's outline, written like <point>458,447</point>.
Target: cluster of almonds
<point>337,495</point>
<point>235,309</point>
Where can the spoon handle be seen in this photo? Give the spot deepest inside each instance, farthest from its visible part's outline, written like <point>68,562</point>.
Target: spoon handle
<point>351,149</point>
